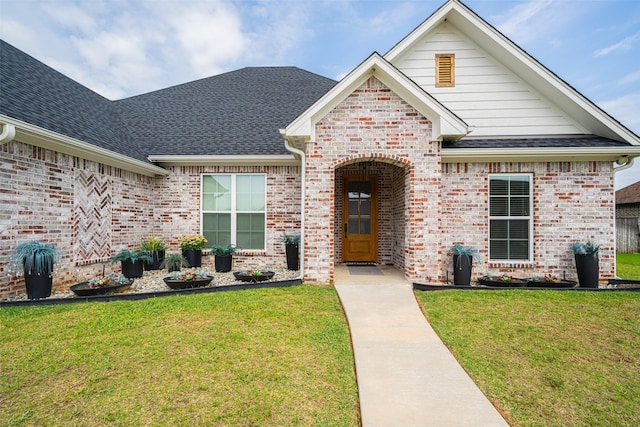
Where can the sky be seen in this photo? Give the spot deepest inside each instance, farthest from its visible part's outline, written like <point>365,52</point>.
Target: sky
<point>121,48</point>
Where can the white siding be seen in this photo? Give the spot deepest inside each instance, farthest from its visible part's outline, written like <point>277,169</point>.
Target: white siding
<point>487,95</point>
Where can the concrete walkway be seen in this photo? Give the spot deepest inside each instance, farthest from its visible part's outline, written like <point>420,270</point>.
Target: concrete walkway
<point>406,376</point>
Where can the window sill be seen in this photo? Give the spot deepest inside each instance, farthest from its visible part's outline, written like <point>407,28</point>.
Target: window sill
<point>512,264</point>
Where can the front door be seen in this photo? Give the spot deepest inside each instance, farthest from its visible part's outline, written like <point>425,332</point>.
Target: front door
<point>360,218</point>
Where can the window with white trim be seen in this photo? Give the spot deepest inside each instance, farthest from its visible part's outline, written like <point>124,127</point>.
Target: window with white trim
<point>510,217</point>
<point>234,210</point>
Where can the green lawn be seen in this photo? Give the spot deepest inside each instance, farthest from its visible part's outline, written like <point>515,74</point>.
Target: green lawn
<point>628,266</point>
<point>547,358</point>
<point>272,357</point>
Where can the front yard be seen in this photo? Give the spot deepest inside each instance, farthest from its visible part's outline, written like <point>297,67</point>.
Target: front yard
<point>269,357</point>
<point>547,358</point>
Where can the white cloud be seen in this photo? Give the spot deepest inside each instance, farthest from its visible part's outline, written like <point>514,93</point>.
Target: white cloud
<point>630,78</point>
<point>70,16</point>
<point>626,109</point>
<point>623,45</point>
<point>524,20</point>
<point>209,34</point>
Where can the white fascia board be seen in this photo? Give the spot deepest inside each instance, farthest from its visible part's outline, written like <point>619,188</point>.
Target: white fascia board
<point>539,154</point>
<point>41,137</point>
<point>249,160</point>
<point>445,123</point>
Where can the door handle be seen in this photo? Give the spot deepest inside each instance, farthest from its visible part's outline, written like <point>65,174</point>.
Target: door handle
<point>346,229</point>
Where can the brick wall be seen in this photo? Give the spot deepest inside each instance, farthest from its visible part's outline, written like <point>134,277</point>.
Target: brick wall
<point>90,210</point>
<point>572,202</point>
<point>87,210</point>
<point>178,210</point>
<point>376,126</point>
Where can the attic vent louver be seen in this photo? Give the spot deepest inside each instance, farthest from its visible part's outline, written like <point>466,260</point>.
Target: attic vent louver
<point>445,75</point>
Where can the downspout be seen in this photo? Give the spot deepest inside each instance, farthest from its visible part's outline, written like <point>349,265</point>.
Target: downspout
<point>303,195</point>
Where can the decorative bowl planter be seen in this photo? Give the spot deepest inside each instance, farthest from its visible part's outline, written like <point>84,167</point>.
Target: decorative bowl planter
<point>86,289</point>
<point>253,275</point>
<point>550,283</point>
<point>502,281</point>
<point>196,282</point>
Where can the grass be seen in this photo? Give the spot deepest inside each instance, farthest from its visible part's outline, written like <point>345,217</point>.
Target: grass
<point>546,358</point>
<point>272,357</point>
<point>628,266</point>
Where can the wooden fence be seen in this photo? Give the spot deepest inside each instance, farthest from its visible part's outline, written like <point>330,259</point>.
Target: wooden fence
<point>628,235</point>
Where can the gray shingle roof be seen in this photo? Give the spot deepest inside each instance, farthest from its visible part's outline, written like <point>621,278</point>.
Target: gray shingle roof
<point>582,141</point>
<point>235,113</point>
<point>36,93</point>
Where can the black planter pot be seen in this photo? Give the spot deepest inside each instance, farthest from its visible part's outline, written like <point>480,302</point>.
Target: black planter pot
<point>293,258</point>
<point>246,276</point>
<point>83,289</point>
<point>187,284</point>
<point>588,269</point>
<point>193,257</point>
<point>462,270</point>
<point>38,285</point>
<point>223,263</point>
<point>158,259</point>
<point>132,270</point>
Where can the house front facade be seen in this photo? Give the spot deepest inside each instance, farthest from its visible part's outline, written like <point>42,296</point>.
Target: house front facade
<point>454,136</point>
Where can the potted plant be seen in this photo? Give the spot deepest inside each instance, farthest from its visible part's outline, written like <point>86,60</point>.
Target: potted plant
<point>192,246</point>
<point>587,263</point>
<point>187,280</point>
<point>36,259</point>
<point>462,264</point>
<point>223,257</point>
<point>174,262</point>
<point>155,248</point>
<point>291,247</point>
<point>132,262</point>
<point>102,285</point>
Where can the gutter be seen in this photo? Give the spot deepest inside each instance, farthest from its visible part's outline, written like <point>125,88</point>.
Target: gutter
<point>224,160</point>
<point>303,196</point>
<point>45,138</point>
<point>566,154</point>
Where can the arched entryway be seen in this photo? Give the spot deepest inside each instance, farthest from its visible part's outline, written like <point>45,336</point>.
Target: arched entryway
<point>370,212</point>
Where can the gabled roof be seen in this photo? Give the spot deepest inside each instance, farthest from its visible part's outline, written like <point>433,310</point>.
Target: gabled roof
<point>445,124</point>
<point>629,194</point>
<point>583,111</point>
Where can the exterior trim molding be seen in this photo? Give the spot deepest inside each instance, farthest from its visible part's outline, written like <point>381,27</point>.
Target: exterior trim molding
<point>226,160</point>
<point>492,155</point>
<point>41,137</point>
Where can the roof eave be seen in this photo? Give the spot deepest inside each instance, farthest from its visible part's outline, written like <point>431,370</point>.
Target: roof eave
<point>45,138</point>
<point>538,154</point>
<point>226,160</point>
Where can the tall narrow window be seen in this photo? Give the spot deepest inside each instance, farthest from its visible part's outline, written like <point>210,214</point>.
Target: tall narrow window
<point>445,70</point>
<point>234,210</point>
<point>510,220</point>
